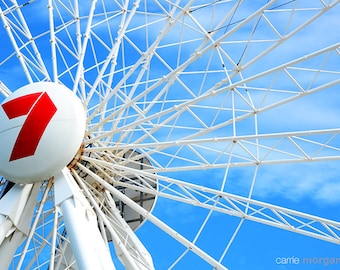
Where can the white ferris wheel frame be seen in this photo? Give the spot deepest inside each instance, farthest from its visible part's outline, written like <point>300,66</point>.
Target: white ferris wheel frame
<point>72,196</point>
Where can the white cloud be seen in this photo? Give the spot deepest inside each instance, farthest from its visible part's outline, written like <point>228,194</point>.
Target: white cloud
<point>319,182</point>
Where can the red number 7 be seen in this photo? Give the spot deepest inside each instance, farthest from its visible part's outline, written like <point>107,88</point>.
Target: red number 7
<point>39,109</point>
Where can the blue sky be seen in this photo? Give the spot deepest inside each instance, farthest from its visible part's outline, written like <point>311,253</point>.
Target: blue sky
<point>308,187</point>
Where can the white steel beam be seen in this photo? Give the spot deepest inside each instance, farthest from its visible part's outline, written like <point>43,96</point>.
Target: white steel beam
<point>231,204</point>
<point>89,248</point>
<point>31,40</point>
<point>174,73</point>
<point>15,46</point>
<point>16,212</point>
<point>216,89</point>
<point>4,90</point>
<point>146,55</point>
<point>53,41</point>
<point>160,224</point>
<point>83,47</point>
<point>129,248</point>
<point>245,150</point>
<point>114,50</point>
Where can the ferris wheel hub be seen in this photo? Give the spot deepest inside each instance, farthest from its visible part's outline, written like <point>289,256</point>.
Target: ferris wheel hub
<point>42,126</point>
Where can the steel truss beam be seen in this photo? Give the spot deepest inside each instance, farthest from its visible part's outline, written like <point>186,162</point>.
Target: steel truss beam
<point>234,205</point>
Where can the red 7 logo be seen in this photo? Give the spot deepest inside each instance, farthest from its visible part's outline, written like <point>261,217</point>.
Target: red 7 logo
<point>39,109</point>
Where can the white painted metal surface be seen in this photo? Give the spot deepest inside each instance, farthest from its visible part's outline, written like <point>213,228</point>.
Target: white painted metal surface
<point>16,212</point>
<point>129,249</point>
<point>4,90</point>
<point>196,88</point>
<point>42,127</point>
<point>88,246</point>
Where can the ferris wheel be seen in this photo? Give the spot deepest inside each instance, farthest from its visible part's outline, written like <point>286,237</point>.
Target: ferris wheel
<point>165,134</point>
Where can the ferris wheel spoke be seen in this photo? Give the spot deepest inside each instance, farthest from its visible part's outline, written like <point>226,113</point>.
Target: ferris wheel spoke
<point>81,224</point>
<point>265,104</point>
<point>53,42</point>
<point>36,55</point>
<point>189,105</point>
<point>65,47</point>
<point>288,34</point>
<point>197,235</point>
<point>140,210</point>
<point>113,53</point>
<point>82,48</point>
<point>240,151</point>
<point>231,204</point>
<point>249,209</point>
<point>24,43</point>
<point>34,224</point>
<point>16,46</point>
<point>111,59</point>
<point>273,94</point>
<point>147,54</point>
<point>144,94</point>
<point>4,90</point>
<point>128,247</point>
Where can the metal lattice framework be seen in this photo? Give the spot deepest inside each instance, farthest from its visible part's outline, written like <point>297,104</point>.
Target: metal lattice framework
<point>182,98</point>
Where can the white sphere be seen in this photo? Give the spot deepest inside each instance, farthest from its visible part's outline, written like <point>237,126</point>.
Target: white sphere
<point>42,127</point>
